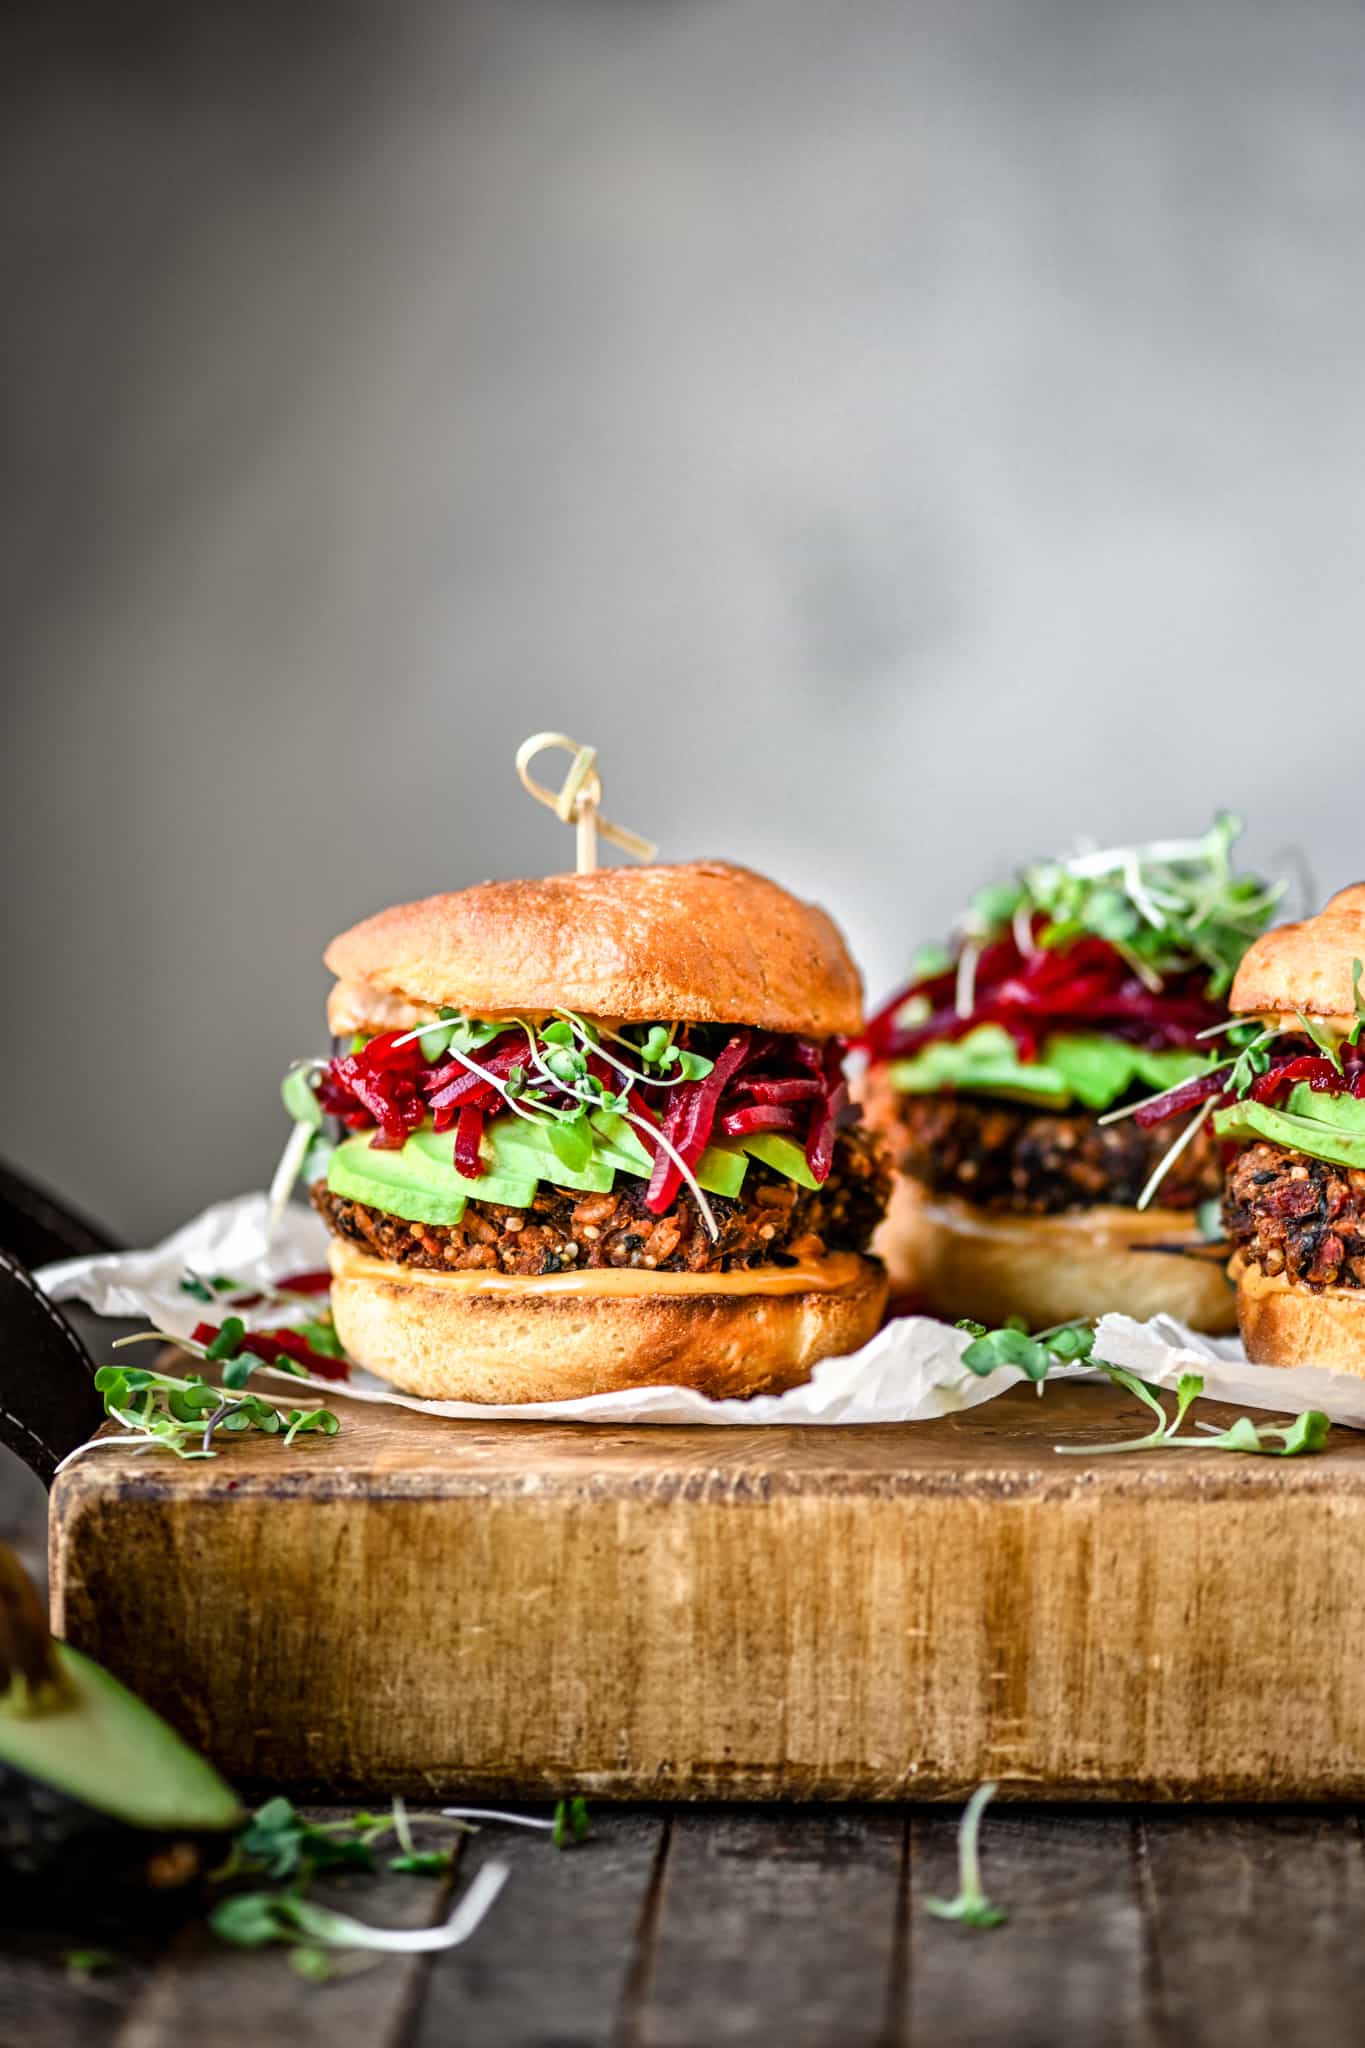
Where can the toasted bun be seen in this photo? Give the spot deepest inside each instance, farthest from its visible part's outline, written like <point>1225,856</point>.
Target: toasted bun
<point>955,1260</point>
<point>702,942</point>
<point>1285,1323</point>
<point>537,1343</point>
<point>1306,966</point>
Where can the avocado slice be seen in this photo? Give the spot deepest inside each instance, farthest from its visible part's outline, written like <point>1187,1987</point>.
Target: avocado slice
<point>95,1788</point>
<point>420,1184</point>
<point>1081,1066</point>
<point>417,1183</point>
<point>720,1170</point>
<point>782,1153</point>
<point>1296,1133</point>
<point>520,1148</point>
<point>619,1143</point>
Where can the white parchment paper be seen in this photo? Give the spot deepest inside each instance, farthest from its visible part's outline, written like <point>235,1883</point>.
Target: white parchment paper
<point>910,1372</point>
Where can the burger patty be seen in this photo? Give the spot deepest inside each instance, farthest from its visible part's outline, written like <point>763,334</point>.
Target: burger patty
<point>770,1221</point>
<point>1289,1213</point>
<point>1008,1156</point>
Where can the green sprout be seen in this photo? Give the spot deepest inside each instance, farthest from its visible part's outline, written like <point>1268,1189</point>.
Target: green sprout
<point>1061,1344</point>
<point>971,1907</point>
<point>1070,1343</point>
<point>1168,907</point>
<point>1306,1433</point>
<point>159,1410</point>
<point>570,1823</point>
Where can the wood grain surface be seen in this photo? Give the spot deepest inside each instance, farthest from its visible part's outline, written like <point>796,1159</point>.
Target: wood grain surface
<point>688,1613</point>
<point>1125,1929</point>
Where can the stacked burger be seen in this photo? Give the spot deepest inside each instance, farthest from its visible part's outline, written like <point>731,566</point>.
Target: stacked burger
<point>1290,1096</point>
<point>596,1134</point>
<point>1010,1080</point>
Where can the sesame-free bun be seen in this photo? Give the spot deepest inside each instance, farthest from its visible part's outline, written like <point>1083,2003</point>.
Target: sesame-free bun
<point>951,1259</point>
<point>699,943</point>
<point>545,1342</point>
<point>1283,1322</point>
<point>1306,966</point>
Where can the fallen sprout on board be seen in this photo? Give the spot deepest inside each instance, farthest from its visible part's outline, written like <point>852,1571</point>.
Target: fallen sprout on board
<point>971,1907</point>
<point>163,1411</point>
<point>1070,1343</point>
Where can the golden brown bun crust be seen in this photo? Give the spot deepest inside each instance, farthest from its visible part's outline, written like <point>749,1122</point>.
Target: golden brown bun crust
<point>701,942</point>
<point>354,1006</point>
<point>1285,1323</point>
<point>507,1346</point>
<point>1306,966</point>
<point>955,1260</point>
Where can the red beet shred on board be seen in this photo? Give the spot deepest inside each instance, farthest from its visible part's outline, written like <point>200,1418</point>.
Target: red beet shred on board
<point>760,1081</point>
<point>268,1344</point>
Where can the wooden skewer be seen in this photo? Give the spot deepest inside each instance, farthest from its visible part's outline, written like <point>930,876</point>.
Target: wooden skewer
<point>578,799</point>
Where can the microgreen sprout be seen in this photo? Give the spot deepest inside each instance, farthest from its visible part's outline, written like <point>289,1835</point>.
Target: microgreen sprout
<point>1307,1432</point>
<point>90,1962</point>
<point>256,1919</point>
<point>1166,907</point>
<point>158,1410</point>
<point>1323,1040</point>
<point>971,1907</point>
<point>569,1825</point>
<point>1073,1343</point>
<point>575,1151</point>
<point>283,1851</point>
<point>1062,1344</point>
<point>1168,1159</point>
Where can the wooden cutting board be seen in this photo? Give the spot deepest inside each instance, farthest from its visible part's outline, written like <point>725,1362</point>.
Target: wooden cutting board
<point>425,1607</point>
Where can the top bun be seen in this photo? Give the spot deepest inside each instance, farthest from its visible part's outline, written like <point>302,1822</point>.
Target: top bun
<point>699,943</point>
<point>1306,966</point>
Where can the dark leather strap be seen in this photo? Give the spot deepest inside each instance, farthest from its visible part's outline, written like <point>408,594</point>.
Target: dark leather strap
<point>48,1402</point>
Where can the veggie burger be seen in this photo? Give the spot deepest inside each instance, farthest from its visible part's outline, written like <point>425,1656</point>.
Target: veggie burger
<point>1290,1095</point>
<point>1011,1081</point>
<point>595,1134</point>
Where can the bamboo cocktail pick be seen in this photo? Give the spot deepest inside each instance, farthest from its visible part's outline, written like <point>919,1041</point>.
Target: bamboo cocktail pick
<point>578,799</point>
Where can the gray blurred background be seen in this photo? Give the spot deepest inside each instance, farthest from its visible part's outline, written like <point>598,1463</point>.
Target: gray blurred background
<point>903,437</point>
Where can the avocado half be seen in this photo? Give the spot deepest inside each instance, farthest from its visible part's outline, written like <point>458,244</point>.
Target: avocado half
<point>96,1791</point>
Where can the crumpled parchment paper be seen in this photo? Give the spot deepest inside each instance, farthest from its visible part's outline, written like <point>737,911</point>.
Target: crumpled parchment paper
<point>911,1371</point>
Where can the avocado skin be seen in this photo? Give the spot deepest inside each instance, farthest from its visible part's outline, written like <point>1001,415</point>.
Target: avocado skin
<point>57,1851</point>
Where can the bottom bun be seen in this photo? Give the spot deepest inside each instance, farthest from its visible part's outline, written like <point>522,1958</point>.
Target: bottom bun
<point>953,1260</point>
<point>1283,1322</point>
<point>477,1337</point>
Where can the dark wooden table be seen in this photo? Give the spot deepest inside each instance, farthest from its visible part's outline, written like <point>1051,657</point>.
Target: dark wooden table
<point>791,1926</point>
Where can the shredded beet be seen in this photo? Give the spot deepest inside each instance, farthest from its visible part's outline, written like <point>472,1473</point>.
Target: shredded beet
<point>690,1119</point>
<point>317,1280</point>
<point>1086,985</point>
<point>1186,1095</point>
<point>468,1135</point>
<point>828,1117</point>
<point>377,1085</point>
<point>760,1081</point>
<point>268,1344</point>
<point>1314,1068</point>
<point>1291,1067</point>
<point>760,1116</point>
<point>800,1088</point>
